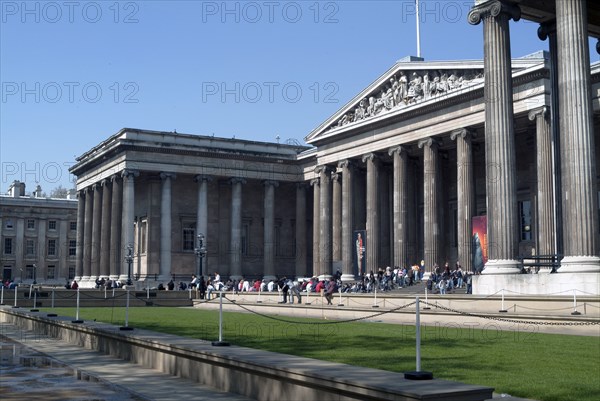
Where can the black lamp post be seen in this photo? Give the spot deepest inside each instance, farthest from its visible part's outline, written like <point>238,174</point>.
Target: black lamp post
<point>200,251</point>
<point>129,260</point>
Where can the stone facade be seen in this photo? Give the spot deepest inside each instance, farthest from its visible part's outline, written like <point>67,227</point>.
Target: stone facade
<point>409,161</point>
<point>39,237</point>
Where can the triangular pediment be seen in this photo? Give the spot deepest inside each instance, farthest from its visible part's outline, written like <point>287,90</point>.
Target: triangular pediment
<point>407,85</point>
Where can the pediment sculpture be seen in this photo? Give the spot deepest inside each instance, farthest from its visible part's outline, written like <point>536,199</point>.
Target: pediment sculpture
<point>406,88</point>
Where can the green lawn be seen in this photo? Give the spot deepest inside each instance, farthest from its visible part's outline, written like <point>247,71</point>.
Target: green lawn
<point>545,367</point>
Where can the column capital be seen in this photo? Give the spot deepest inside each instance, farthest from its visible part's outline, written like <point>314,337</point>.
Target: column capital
<point>315,182</point>
<point>546,29</point>
<point>463,133</point>
<point>105,181</point>
<point>493,8</point>
<point>347,163</point>
<point>203,177</point>
<point>302,185</point>
<point>115,177</point>
<point>166,175</point>
<point>370,157</point>
<point>335,176</point>
<point>95,186</point>
<point>397,149</point>
<point>130,173</point>
<point>236,180</point>
<point>542,111</point>
<point>273,183</point>
<point>429,142</point>
<point>324,168</point>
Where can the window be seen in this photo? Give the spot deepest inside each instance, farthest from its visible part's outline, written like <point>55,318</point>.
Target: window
<point>51,247</point>
<point>71,272</point>
<point>73,225</point>
<point>72,247</point>
<point>51,224</point>
<point>29,272</point>
<point>525,219</point>
<point>30,247</point>
<point>8,224</point>
<point>189,235</point>
<point>50,275</point>
<point>8,246</point>
<point>143,235</point>
<point>30,224</point>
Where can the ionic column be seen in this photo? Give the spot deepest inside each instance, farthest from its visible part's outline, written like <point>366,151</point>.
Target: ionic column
<point>80,234</point>
<point>127,230</point>
<point>548,30</point>
<point>105,230</point>
<point>502,209</point>
<point>96,231</point>
<point>579,196</point>
<point>115,228</point>
<point>325,253</point>
<point>545,195</point>
<point>372,246</point>
<point>316,225</point>
<point>269,230</point>
<point>301,247</point>
<point>87,234</point>
<point>400,216</point>
<point>202,206</point>
<point>347,223</point>
<point>236,228</point>
<point>431,194</point>
<point>336,216</point>
<point>165,226</point>
<point>466,195</point>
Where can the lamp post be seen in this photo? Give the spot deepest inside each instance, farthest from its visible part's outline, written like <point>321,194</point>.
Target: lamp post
<point>34,274</point>
<point>129,260</point>
<point>200,251</point>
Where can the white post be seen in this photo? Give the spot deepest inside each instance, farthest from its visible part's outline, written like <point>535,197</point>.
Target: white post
<point>418,334</point>
<point>307,297</point>
<point>15,306</point>
<point>127,309</point>
<point>105,292</point>
<point>375,299</point>
<point>2,296</point>
<point>113,292</point>
<point>426,307</point>
<point>221,316</point>
<point>34,300</point>
<point>340,303</point>
<point>575,313</point>
<point>53,298</point>
<point>77,312</point>
<point>258,301</point>
<point>503,308</point>
<point>148,292</point>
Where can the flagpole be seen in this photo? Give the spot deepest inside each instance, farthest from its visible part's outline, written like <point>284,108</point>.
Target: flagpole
<point>418,31</point>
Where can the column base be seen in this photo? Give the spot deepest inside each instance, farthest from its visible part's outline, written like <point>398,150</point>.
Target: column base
<point>236,277</point>
<point>501,266</point>
<point>348,277</point>
<point>580,264</point>
<point>269,277</point>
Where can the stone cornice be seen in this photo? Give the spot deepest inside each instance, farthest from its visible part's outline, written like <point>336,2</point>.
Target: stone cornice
<point>493,8</point>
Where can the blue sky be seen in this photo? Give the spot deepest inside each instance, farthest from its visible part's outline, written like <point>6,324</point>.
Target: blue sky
<point>73,73</point>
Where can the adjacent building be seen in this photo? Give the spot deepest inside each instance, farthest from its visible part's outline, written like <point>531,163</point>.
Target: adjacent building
<point>39,237</point>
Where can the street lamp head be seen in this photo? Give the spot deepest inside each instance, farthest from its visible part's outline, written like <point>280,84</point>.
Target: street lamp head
<point>200,237</point>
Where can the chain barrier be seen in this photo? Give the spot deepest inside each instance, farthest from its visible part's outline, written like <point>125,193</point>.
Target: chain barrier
<point>520,321</point>
<point>320,323</point>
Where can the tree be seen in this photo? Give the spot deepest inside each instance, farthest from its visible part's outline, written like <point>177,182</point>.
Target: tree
<point>59,192</point>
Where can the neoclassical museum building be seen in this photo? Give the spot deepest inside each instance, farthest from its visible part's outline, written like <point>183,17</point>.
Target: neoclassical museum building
<point>488,163</point>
